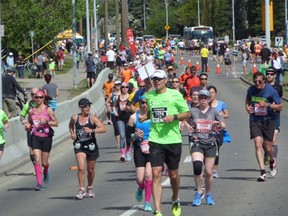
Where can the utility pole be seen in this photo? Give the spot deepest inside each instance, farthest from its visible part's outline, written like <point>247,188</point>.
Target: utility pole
<point>124,22</point>
<point>106,23</point>
<point>1,34</point>
<point>144,15</point>
<point>88,27</point>
<point>233,21</point>
<point>199,13</point>
<point>167,24</point>
<point>267,22</point>
<point>95,26</point>
<point>75,79</point>
<point>117,22</point>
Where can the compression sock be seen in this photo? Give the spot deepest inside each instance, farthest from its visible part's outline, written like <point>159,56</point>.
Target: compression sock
<point>128,149</point>
<point>275,148</point>
<point>141,185</point>
<point>38,170</point>
<point>148,190</point>
<point>122,151</point>
<point>32,158</point>
<point>45,168</point>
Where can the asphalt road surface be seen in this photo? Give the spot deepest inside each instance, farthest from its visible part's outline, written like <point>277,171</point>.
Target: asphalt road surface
<point>236,192</point>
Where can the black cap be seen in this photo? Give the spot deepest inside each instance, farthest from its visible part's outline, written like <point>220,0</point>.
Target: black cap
<point>110,76</point>
<point>84,102</point>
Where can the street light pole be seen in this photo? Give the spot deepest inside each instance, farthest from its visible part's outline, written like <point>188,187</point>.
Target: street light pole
<point>32,44</point>
<point>95,26</point>
<point>233,21</point>
<point>1,34</point>
<point>75,79</point>
<point>88,26</point>
<point>267,22</point>
<point>199,13</point>
<point>166,7</point>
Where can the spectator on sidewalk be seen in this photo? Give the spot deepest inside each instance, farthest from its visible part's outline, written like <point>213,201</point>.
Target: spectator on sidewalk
<point>51,90</point>
<point>20,65</point>
<point>10,60</point>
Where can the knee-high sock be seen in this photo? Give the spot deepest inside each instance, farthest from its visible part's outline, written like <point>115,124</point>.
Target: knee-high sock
<point>46,168</point>
<point>275,148</point>
<point>141,185</point>
<point>148,190</point>
<point>38,170</point>
<point>122,151</point>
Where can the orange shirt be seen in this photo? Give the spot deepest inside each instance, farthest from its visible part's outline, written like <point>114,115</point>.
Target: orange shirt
<point>108,86</point>
<point>126,75</point>
<point>192,82</point>
<point>183,77</point>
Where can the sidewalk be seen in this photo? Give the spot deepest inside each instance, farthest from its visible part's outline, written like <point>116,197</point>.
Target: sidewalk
<point>63,81</point>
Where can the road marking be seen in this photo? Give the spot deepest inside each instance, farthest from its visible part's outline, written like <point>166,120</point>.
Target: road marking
<point>166,183</point>
<point>132,210</point>
<point>188,159</point>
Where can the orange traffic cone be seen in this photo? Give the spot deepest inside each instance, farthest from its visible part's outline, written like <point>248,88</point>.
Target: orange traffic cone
<point>197,66</point>
<point>189,64</point>
<point>208,68</point>
<point>182,61</point>
<point>254,69</point>
<point>218,69</point>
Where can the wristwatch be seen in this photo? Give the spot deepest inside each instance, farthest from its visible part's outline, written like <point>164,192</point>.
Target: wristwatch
<point>175,117</point>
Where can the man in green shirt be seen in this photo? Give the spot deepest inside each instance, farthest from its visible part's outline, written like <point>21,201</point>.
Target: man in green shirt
<point>167,107</point>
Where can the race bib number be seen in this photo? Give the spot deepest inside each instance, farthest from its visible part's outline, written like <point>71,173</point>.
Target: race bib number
<point>203,125</point>
<point>260,111</point>
<point>158,114</point>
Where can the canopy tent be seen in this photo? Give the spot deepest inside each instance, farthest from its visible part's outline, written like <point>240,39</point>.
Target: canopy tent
<point>67,34</point>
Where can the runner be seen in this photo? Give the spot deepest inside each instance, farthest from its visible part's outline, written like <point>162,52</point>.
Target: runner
<point>4,125</point>
<point>270,79</point>
<point>122,117</point>
<point>141,130</point>
<point>41,118</point>
<point>167,107</point>
<point>202,146</point>
<point>107,90</point>
<point>261,101</point>
<point>83,128</point>
<point>222,108</point>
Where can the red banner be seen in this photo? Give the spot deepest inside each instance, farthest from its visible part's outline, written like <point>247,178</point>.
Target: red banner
<point>131,40</point>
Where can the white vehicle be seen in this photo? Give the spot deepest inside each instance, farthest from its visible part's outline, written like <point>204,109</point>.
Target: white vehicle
<point>195,33</point>
<point>148,37</point>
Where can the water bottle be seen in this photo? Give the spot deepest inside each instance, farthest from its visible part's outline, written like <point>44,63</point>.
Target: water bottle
<point>77,145</point>
<point>91,146</point>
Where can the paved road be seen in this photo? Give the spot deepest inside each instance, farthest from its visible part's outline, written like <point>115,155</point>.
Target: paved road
<point>236,192</point>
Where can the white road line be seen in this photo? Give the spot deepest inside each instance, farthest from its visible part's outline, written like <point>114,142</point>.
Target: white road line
<point>188,159</point>
<point>132,210</point>
<point>166,183</point>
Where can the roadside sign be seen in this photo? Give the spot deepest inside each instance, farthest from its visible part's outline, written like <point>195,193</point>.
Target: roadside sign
<point>167,27</point>
<point>279,41</point>
<point>1,30</point>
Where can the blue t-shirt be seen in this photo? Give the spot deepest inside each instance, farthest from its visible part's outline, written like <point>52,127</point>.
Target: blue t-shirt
<point>221,106</point>
<point>267,94</point>
<point>144,126</point>
<point>137,95</point>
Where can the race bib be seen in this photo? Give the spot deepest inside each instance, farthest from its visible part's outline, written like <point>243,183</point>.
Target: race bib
<point>260,111</point>
<point>203,125</point>
<point>158,114</point>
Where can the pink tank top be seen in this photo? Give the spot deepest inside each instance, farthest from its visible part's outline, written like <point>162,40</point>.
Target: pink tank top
<point>40,130</point>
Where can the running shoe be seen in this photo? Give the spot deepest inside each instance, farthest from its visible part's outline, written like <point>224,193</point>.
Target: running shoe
<point>46,178</point>
<point>176,209</point>
<point>262,178</point>
<point>197,199</point>
<point>273,167</point>
<point>39,187</point>
<point>215,174</point>
<point>209,199</point>
<point>80,195</point>
<point>157,213</point>
<point>266,160</point>
<point>147,207</point>
<point>122,158</point>
<point>139,195</point>
<point>128,156</point>
<point>90,193</point>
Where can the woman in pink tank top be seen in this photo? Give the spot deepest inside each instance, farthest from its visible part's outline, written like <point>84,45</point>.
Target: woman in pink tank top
<point>41,119</point>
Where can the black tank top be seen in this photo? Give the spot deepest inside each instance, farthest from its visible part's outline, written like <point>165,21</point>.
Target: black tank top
<point>81,136</point>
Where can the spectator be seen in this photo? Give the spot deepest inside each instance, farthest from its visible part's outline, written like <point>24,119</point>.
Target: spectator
<point>20,65</point>
<point>10,60</point>
<point>110,58</point>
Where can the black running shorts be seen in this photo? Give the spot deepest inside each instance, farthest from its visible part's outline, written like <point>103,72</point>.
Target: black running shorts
<point>42,143</point>
<point>263,129</point>
<point>140,159</point>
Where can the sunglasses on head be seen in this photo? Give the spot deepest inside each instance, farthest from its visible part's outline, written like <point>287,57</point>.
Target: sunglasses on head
<point>39,97</point>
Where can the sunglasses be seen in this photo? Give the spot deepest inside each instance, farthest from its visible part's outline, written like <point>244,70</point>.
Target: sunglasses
<point>270,74</point>
<point>157,79</point>
<point>143,102</point>
<point>124,87</point>
<point>175,81</point>
<point>39,97</point>
<point>85,106</point>
<point>141,86</point>
<point>204,79</point>
<point>258,81</point>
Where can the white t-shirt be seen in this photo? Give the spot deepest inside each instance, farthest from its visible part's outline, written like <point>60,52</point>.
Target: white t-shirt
<point>110,55</point>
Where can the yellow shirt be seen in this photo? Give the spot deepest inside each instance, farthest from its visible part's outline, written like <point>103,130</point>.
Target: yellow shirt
<point>204,52</point>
